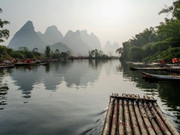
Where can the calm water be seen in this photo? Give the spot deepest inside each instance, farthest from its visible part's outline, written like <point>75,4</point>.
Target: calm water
<point>71,98</point>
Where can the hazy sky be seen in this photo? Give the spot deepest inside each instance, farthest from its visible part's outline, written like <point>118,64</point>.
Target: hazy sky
<point>111,20</point>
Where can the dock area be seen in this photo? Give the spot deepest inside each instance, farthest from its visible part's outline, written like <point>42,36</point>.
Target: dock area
<point>130,114</point>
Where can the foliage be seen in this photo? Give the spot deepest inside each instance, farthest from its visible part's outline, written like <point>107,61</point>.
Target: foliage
<point>170,29</point>
<point>97,54</point>
<point>119,50</point>
<point>174,9</point>
<point>35,52</point>
<point>17,54</point>
<point>21,53</point>
<point>166,55</point>
<point>161,42</point>
<point>48,51</point>
<point>4,33</point>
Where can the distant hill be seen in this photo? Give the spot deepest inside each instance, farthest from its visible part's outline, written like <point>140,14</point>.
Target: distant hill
<point>27,37</point>
<point>79,42</point>
<point>111,49</point>
<point>51,36</point>
<point>91,40</point>
<point>74,41</point>
<point>61,47</point>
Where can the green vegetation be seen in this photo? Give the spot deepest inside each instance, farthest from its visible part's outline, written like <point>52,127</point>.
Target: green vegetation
<point>97,54</point>
<point>4,33</point>
<point>24,53</point>
<point>21,53</point>
<point>162,42</point>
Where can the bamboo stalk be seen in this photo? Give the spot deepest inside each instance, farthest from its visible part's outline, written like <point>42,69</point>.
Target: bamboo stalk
<point>152,120</point>
<point>107,125</point>
<point>140,120</point>
<point>114,119</point>
<point>127,119</point>
<point>121,119</point>
<point>146,121</point>
<point>166,121</point>
<point>159,121</point>
<point>131,98</point>
<point>133,119</point>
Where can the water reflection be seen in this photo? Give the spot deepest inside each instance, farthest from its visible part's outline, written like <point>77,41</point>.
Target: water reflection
<point>95,64</point>
<point>3,90</point>
<point>25,78</point>
<point>73,73</point>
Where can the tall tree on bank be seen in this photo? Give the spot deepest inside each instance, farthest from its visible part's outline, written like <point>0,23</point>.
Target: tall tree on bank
<point>4,33</point>
<point>48,51</point>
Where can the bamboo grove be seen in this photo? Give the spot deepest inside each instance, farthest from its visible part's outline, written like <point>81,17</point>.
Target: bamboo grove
<point>161,42</point>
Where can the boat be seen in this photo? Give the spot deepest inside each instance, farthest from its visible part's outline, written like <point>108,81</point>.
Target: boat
<point>147,68</point>
<point>161,77</point>
<point>175,69</point>
<point>7,66</point>
<point>25,64</point>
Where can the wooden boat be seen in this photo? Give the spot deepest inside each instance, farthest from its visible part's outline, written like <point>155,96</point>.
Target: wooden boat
<point>25,64</point>
<point>132,115</point>
<point>7,66</point>
<point>147,68</point>
<point>161,77</point>
<point>175,69</point>
<point>43,63</point>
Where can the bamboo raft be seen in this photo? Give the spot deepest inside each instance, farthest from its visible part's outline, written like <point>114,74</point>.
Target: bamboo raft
<point>132,115</point>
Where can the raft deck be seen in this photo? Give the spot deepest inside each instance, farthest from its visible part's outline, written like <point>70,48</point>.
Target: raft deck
<point>132,115</point>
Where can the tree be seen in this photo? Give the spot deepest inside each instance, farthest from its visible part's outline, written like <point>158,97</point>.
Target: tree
<point>4,33</point>
<point>174,9</point>
<point>57,51</point>
<point>170,30</point>
<point>47,51</point>
<point>35,52</point>
<point>119,50</point>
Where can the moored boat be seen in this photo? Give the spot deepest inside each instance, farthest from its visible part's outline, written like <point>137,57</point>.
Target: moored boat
<point>161,77</point>
<point>147,68</point>
<point>7,66</point>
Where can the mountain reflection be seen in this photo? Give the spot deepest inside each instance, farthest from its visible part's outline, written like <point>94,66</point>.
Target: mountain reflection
<point>25,78</point>
<point>73,73</point>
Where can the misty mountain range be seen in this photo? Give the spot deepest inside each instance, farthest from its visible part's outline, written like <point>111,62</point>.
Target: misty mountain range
<point>78,42</point>
<point>110,49</point>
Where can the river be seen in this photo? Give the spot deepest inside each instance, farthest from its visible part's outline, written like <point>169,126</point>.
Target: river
<point>71,98</point>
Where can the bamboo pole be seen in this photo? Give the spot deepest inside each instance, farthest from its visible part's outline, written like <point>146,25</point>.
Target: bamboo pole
<point>152,120</point>
<point>166,121</point>
<point>146,121</point>
<point>121,119</point>
<point>135,126</point>
<point>159,121</point>
<point>140,120</point>
<point>127,119</point>
<point>114,119</point>
<point>107,125</point>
